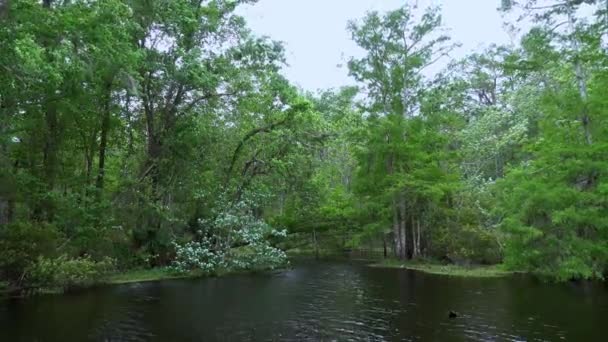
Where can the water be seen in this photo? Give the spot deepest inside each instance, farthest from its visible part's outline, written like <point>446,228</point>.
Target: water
<point>316,301</point>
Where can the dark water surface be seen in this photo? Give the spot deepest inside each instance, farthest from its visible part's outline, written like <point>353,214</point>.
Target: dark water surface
<point>317,301</point>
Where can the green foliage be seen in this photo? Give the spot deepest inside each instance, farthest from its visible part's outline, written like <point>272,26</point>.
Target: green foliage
<point>433,267</point>
<point>407,171</point>
<point>127,124</point>
<point>554,212</point>
<point>22,243</point>
<point>65,274</point>
<point>162,133</point>
<point>468,243</point>
<point>553,204</point>
<point>144,275</point>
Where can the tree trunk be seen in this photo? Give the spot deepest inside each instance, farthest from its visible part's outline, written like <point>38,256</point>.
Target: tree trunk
<point>130,135</point>
<point>5,178</point>
<point>384,245</point>
<point>419,252</point>
<point>88,158</point>
<point>152,171</point>
<point>403,227</point>
<point>4,209</point>
<point>50,145</point>
<point>10,211</point>
<point>581,80</point>
<point>105,127</point>
<point>50,155</point>
<point>397,232</point>
<point>315,243</point>
<point>49,151</point>
<point>404,91</point>
<point>414,240</point>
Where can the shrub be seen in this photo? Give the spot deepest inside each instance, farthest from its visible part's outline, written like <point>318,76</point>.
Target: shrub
<point>22,243</point>
<point>258,253</point>
<point>64,273</point>
<point>254,251</point>
<point>197,256</point>
<point>470,244</point>
<point>235,238</point>
<point>256,257</point>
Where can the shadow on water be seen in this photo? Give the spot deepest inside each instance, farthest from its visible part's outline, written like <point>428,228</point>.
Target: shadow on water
<point>324,300</point>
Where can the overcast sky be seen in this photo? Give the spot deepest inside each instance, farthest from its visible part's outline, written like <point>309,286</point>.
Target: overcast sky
<point>316,39</point>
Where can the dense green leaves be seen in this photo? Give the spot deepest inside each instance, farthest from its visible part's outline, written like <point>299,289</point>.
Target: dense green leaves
<point>162,132</point>
<point>129,125</point>
<point>553,203</point>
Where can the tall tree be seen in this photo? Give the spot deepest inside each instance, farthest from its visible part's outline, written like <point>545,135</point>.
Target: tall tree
<point>398,49</point>
<point>553,202</point>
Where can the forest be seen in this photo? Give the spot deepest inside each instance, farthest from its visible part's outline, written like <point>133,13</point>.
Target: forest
<point>139,134</point>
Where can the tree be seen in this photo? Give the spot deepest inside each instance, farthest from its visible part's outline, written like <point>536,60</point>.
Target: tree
<point>552,204</point>
<point>398,50</point>
<point>126,125</point>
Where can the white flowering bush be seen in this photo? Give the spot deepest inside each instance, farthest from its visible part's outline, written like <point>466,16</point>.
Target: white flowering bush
<point>197,256</point>
<point>233,239</point>
<point>241,242</point>
<point>267,257</point>
<point>255,234</point>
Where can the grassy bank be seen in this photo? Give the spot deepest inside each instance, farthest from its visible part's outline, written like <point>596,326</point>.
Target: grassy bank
<point>157,274</point>
<point>473,271</point>
<point>309,252</point>
<point>333,253</point>
<point>132,276</point>
<point>125,277</point>
<point>146,275</point>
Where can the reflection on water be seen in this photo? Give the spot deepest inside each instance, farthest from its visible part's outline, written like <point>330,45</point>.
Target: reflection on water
<point>316,301</point>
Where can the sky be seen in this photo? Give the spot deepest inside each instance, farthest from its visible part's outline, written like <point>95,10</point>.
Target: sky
<point>318,44</point>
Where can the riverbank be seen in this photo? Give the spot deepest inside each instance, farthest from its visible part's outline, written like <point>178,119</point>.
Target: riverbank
<point>147,275</point>
<point>472,271</point>
<point>309,252</point>
<point>158,274</point>
<point>125,277</point>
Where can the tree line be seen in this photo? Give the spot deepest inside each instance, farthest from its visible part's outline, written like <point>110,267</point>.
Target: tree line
<point>152,133</point>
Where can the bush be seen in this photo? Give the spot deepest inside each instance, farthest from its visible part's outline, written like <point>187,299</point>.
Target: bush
<point>22,243</point>
<point>254,251</point>
<point>469,244</point>
<point>198,256</point>
<point>257,252</point>
<point>235,239</point>
<point>256,257</point>
<point>64,273</point>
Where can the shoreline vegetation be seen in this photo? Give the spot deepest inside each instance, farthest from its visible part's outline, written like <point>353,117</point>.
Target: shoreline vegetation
<point>430,267</point>
<point>118,278</point>
<point>134,276</point>
<point>160,274</point>
<point>452,270</point>
<point>129,142</point>
<point>148,275</point>
<point>421,265</point>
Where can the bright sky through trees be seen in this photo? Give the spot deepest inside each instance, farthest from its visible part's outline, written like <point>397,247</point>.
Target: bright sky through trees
<point>313,51</point>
